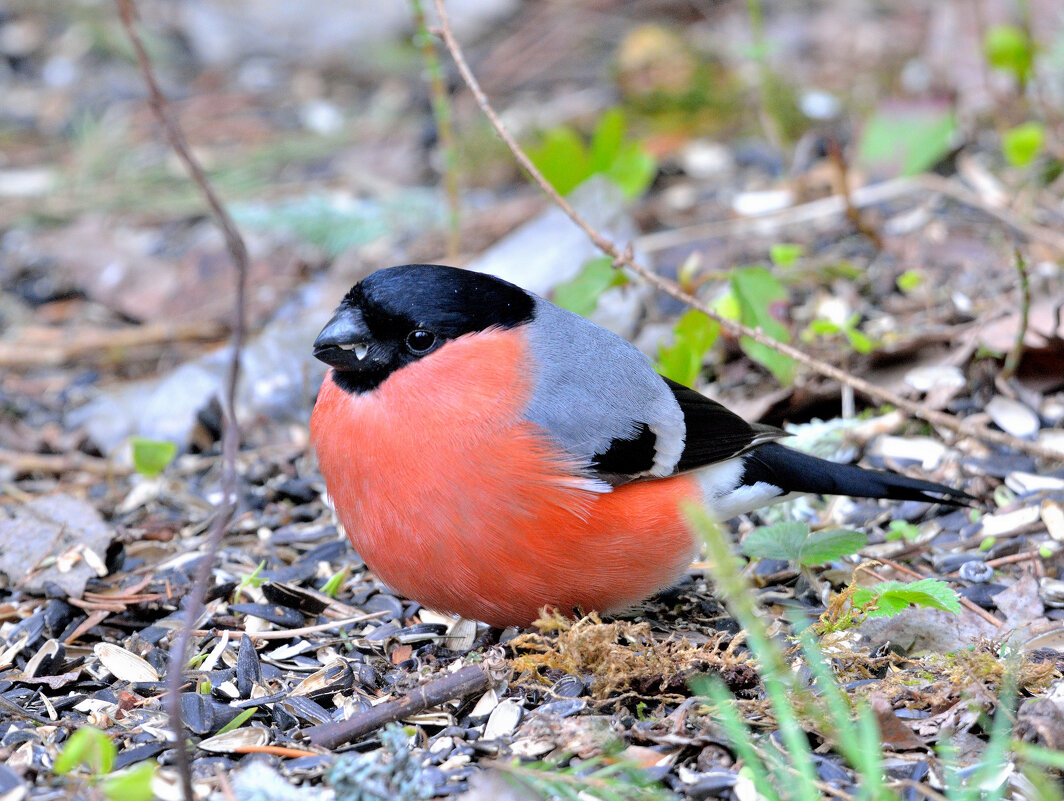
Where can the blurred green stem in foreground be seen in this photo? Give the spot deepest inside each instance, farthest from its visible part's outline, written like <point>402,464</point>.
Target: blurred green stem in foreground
<point>441,113</point>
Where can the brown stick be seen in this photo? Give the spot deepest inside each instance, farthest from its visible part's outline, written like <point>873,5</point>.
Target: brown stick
<point>60,463</point>
<point>231,431</point>
<point>96,343</point>
<point>460,684</point>
<point>626,259</point>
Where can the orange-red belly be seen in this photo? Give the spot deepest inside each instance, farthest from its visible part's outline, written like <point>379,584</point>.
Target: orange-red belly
<point>458,503</point>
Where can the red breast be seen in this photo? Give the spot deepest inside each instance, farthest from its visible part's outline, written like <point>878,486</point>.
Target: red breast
<point>454,500</point>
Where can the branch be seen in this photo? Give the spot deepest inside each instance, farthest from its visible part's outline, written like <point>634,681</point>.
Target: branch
<point>460,684</point>
<point>231,431</point>
<point>625,258</point>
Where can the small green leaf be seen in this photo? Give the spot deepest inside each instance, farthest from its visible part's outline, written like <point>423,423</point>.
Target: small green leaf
<point>910,280</point>
<point>1045,552</point>
<point>87,747</point>
<point>335,582</point>
<point>581,294</point>
<point>793,541</point>
<point>151,456</point>
<point>562,158</point>
<point>825,546</point>
<point>784,254</point>
<point>727,306</point>
<point>1009,48</point>
<point>693,336</point>
<point>1023,143</point>
<point>987,543</point>
<point>859,341</point>
<point>822,326</point>
<point>902,530</point>
<point>633,170</point>
<point>239,720</point>
<point>1003,496</point>
<point>907,140</point>
<point>606,141</point>
<point>757,291</point>
<point>131,785</point>
<point>891,597</point>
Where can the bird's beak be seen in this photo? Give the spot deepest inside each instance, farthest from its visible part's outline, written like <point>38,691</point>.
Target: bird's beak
<point>344,342</point>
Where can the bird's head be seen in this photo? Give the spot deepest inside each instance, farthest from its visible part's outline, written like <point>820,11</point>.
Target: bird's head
<point>401,314</point>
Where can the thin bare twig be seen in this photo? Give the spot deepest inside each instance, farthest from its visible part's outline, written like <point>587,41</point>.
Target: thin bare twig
<point>98,345</point>
<point>59,463</point>
<point>842,176</point>
<point>625,258</point>
<point>231,431</point>
<point>460,684</point>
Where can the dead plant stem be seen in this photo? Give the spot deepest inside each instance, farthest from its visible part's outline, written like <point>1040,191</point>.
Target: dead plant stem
<point>231,431</point>
<point>1015,354</point>
<point>441,114</point>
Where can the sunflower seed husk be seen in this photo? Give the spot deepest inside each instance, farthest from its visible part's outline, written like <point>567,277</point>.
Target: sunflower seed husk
<point>248,736</point>
<point>124,665</point>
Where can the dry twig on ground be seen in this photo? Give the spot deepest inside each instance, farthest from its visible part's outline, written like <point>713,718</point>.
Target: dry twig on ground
<point>461,684</point>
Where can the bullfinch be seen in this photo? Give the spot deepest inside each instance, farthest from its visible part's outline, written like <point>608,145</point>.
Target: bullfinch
<point>489,453</point>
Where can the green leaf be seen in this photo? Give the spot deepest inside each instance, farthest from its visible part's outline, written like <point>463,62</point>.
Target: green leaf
<point>1023,143</point>
<point>902,530</point>
<point>151,456</point>
<point>1009,48</point>
<point>633,170</point>
<point>131,785</point>
<point>793,541</point>
<point>693,336</point>
<point>562,158</point>
<point>87,747</point>
<point>910,280</point>
<point>335,582</point>
<point>784,254</point>
<point>907,141</point>
<point>606,141</point>
<point>239,720</point>
<point>891,597</point>
<point>822,326</point>
<point>756,291</point>
<point>581,294</point>
<point>860,341</point>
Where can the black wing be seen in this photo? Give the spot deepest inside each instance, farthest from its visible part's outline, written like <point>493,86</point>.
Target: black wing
<point>713,432</point>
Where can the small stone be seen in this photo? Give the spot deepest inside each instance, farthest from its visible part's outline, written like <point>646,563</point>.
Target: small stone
<point>1012,416</point>
<point>705,160</point>
<point>935,376</point>
<point>752,204</point>
<point>1005,522</point>
<point>924,450</point>
<point>976,571</point>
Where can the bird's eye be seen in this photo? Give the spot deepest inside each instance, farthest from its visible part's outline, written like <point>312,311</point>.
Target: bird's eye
<point>420,341</point>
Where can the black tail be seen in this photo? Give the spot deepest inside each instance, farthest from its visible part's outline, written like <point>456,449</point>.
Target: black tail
<point>795,471</point>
